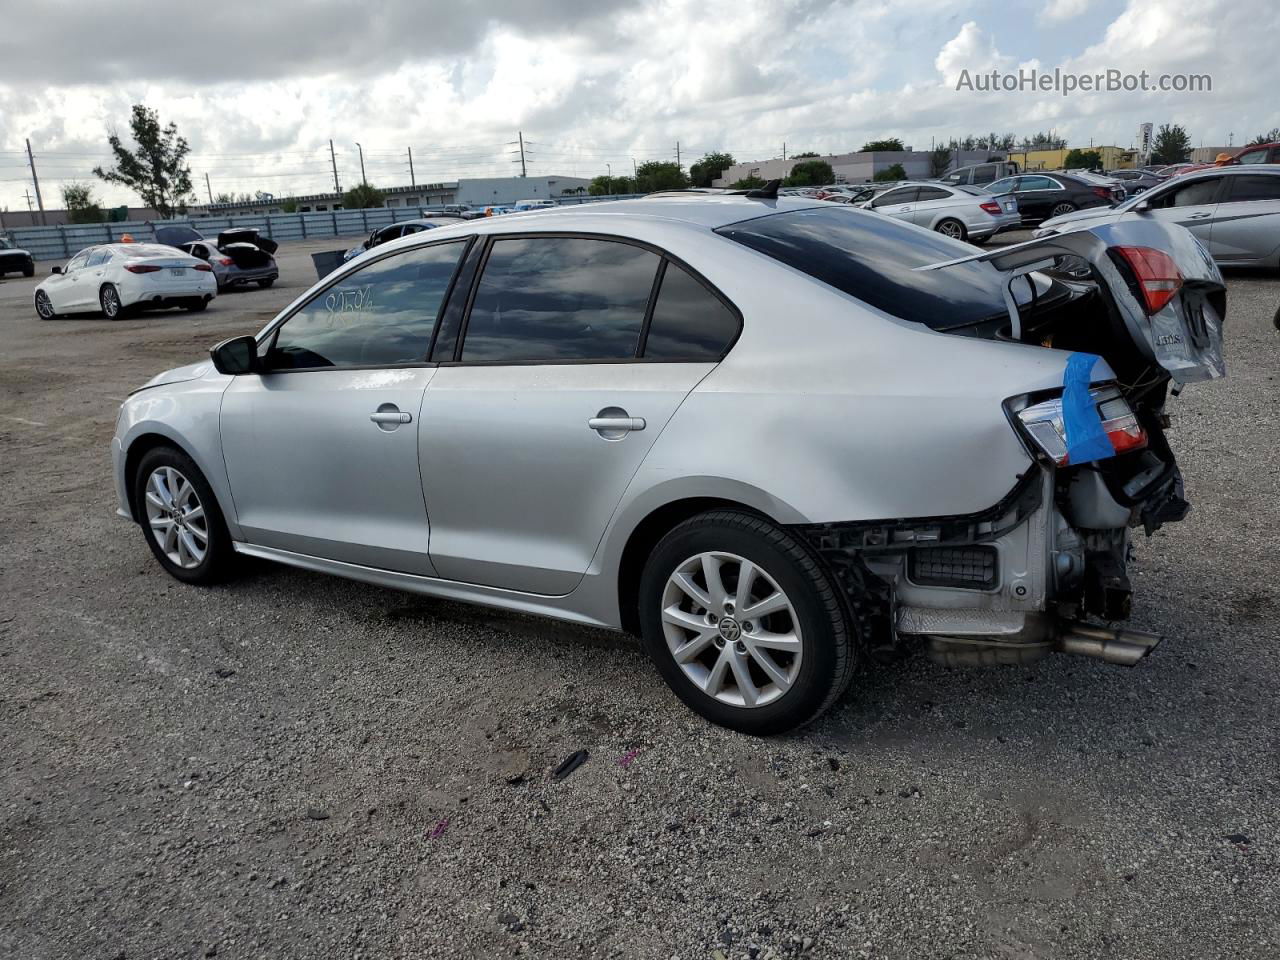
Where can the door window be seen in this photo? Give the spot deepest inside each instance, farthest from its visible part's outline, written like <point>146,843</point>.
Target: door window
<point>1253,156</point>
<point>1007,185</point>
<point>78,261</point>
<point>381,315</point>
<point>1188,195</point>
<point>901,195</point>
<point>1253,188</point>
<point>689,321</point>
<point>986,173</point>
<point>1027,184</point>
<point>98,258</point>
<point>559,298</point>
<point>933,193</point>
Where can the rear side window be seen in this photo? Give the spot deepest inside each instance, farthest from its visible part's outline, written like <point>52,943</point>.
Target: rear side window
<point>559,298</point>
<point>901,195</point>
<point>1254,188</point>
<point>873,258</point>
<point>380,315</point>
<point>933,193</point>
<point>689,321</point>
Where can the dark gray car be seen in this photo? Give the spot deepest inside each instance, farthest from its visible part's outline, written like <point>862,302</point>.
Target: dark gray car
<point>14,260</point>
<point>238,256</point>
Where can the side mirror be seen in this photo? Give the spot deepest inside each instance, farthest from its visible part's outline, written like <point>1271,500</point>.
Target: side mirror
<point>56,270</point>
<point>236,356</point>
<point>1142,206</point>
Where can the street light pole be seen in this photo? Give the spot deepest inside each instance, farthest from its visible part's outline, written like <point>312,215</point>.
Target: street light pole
<point>363,179</point>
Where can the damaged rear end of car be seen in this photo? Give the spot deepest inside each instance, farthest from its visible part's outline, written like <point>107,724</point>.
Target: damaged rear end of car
<point>1137,308</point>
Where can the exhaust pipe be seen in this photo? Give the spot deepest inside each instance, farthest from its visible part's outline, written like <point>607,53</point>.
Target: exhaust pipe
<point>1123,647</point>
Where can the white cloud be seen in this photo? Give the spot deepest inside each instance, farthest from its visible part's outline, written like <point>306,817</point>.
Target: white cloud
<point>1059,10</point>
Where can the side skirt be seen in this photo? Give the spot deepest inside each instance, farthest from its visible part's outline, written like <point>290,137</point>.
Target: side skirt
<point>556,608</point>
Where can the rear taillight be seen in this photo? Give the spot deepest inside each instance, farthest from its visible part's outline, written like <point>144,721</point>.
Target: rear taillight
<point>226,262</point>
<point>1103,192</point>
<point>1044,423</point>
<point>142,268</point>
<point>991,207</point>
<point>1159,278</point>
<point>204,267</point>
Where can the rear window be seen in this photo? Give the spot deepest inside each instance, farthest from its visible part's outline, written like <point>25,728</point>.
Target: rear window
<point>873,258</point>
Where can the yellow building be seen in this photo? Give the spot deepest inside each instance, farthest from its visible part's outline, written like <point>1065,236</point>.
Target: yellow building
<point>1113,158</point>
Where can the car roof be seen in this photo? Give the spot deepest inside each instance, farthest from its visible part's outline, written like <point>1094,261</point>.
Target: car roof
<point>698,209</point>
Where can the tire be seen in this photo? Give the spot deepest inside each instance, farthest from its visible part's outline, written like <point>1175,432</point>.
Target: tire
<point>829,644</point>
<point>44,306</point>
<point>267,282</point>
<point>109,300</point>
<point>980,241</point>
<point>952,228</point>
<point>173,553</point>
<point>29,270</point>
<point>1061,209</point>
<point>195,306</point>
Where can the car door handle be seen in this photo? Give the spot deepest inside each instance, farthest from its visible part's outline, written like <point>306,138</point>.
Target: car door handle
<point>1199,216</point>
<point>626,424</point>
<point>391,416</point>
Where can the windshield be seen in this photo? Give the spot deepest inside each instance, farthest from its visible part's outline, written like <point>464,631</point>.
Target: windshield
<point>873,258</point>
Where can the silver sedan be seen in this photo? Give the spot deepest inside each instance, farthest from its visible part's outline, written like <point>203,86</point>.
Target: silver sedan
<point>768,435</point>
<point>963,213</point>
<point>1233,211</point>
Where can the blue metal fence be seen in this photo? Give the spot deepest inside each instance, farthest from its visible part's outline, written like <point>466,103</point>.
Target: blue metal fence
<point>62,242</point>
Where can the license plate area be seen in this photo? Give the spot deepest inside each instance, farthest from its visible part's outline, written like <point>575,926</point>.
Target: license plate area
<point>177,271</point>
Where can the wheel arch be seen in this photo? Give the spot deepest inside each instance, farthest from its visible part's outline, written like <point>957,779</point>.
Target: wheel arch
<point>138,448</point>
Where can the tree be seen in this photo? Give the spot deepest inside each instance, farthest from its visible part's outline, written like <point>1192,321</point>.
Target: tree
<point>1271,136</point>
<point>891,144</point>
<point>610,186</point>
<point>362,196</point>
<point>1078,159</point>
<point>224,198</point>
<point>810,173</point>
<point>747,183</point>
<point>892,172</point>
<point>81,207</point>
<point>660,175</point>
<point>939,160</point>
<point>803,156</point>
<point>704,172</point>
<point>289,206</point>
<point>1172,144</point>
<point>156,170</point>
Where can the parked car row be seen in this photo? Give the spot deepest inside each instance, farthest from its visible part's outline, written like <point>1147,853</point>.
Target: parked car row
<point>117,278</point>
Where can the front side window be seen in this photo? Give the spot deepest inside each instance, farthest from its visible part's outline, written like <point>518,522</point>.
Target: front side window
<point>78,261</point>
<point>1189,195</point>
<point>559,298</point>
<point>1006,185</point>
<point>1254,188</point>
<point>381,315</point>
<point>689,321</point>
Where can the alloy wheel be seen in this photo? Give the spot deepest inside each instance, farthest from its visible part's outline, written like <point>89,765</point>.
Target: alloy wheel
<point>1062,209</point>
<point>110,302</point>
<point>731,629</point>
<point>177,518</point>
<point>949,228</point>
<point>43,307</point>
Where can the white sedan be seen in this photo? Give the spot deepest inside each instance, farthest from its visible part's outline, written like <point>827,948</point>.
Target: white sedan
<point>115,278</point>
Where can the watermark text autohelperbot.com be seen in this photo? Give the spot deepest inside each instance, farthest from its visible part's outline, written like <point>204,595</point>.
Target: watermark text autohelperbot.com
<point>1029,80</point>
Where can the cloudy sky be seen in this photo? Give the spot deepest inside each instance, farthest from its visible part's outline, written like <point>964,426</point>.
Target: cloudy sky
<point>258,89</point>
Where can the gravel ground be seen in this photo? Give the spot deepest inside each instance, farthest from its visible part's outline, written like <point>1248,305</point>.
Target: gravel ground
<point>297,766</point>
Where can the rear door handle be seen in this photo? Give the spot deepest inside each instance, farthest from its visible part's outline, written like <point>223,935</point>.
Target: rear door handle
<point>391,416</point>
<point>1199,216</point>
<point>616,423</point>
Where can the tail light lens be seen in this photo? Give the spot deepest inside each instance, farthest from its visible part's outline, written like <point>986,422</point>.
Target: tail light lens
<point>1103,192</point>
<point>991,207</point>
<point>226,261</point>
<point>1043,423</point>
<point>142,268</point>
<point>1159,278</point>
<point>203,267</point>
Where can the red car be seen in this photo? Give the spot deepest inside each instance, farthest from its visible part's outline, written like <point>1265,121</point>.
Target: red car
<point>1258,153</point>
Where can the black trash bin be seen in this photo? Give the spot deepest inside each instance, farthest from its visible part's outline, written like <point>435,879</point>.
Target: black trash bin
<point>327,262</point>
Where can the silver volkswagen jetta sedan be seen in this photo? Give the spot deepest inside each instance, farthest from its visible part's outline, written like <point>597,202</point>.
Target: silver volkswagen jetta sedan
<point>775,437</point>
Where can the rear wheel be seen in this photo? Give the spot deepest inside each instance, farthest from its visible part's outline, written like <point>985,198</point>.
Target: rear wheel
<point>29,270</point>
<point>44,306</point>
<point>952,228</point>
<point>1061,209</point>
<point>180,517</point>
<point>109,299</point>
<point>745,624</point>
<point>195,306</point>
<point>267,282</point>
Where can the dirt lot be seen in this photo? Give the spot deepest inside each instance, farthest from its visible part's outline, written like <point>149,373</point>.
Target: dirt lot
<point>296,766</point>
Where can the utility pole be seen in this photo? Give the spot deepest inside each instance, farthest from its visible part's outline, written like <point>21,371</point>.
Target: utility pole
<point>412,182</point>
<point>334,160</point>
<point>27,194</point>
<point>208,188</point>
<point>363,179</point>
<point>784,150</point>
<point>635,171</point>
<point>677,153</point>
<point>36,181</point>
<point>523,170</point>
<point>610,168</point>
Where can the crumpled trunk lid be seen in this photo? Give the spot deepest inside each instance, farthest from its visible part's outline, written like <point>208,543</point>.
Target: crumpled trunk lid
<point>1184,337</point>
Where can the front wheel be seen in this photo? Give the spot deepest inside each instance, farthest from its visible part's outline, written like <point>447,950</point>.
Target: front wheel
<point>29,270</point>
<point>44,306</point>
<point>951,228</point>
<point>745,624</point>
<point>180,517</point>
<point>109,299</point>
<point>195,306</point>
<point>1061,210</point>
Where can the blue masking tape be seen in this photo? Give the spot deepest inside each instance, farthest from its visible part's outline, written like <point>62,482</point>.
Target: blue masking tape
<point>1086,440</point>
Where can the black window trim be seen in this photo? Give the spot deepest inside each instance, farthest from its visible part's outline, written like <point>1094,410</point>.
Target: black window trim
<point>1228,195</point>
<point>270,334</point>
<point>664,257</point>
